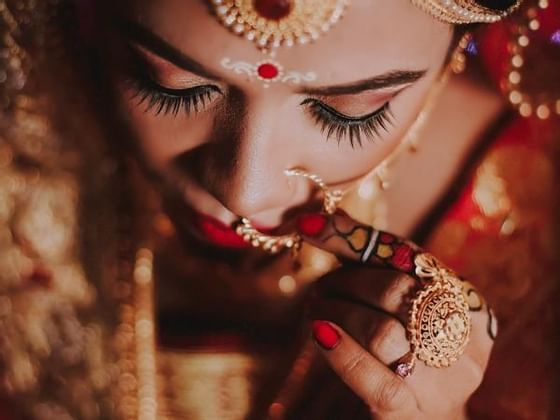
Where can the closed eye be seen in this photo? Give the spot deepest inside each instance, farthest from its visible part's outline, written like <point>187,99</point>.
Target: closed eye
<point>354,129</point>
<point>163,100</point>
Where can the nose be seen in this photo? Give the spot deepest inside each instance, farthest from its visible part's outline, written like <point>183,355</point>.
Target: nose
<point>244,166</point>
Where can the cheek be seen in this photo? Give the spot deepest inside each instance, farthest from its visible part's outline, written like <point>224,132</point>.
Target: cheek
<point>161,138</point>
<point>342,162</point>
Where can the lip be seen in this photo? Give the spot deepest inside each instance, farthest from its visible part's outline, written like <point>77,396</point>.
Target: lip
<point>218,233</point>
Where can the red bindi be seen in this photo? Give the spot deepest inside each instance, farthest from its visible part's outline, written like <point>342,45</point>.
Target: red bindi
<point>268,71</point>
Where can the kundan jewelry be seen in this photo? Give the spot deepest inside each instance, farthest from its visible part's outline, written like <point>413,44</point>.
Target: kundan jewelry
<point>274,23</point>
<point>465,11</point>
<point>439,322</point>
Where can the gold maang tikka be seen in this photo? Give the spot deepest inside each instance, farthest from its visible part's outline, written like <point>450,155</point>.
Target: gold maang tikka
<point>274,23</point>
<point>271,24</point>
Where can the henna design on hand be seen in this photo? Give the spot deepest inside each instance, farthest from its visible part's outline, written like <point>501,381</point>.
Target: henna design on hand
<point>385,249</point>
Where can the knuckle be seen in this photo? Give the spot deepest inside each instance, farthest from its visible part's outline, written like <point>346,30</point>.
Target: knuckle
<point>474,374</point>
<point>394,295</point>
<point>390,396</point>
<point>384,337</point>
<point>351,365</point>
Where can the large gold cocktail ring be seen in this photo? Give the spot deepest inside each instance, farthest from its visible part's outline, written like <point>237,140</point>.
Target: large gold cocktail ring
<point>439,324</point>
<point>275,244</point>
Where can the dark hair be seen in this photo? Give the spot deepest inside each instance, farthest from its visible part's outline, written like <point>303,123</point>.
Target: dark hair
<point>501,5</point>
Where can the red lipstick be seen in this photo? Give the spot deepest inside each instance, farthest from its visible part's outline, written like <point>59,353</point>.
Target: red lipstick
<point>218,232</point>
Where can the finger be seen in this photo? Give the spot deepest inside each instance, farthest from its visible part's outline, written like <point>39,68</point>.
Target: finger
<point>382,335</point>
<point>381,289</point>
<point>355,241</point>
<point>350,240</point>
<point>370,379</point>
<point>480,342</point>
<point>363,320</point>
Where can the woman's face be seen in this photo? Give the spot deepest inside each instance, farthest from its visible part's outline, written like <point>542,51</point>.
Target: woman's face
<point>221,140</point>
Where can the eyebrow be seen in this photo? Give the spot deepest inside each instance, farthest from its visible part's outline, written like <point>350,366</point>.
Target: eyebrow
<point>389,79</point>
<point>147,39</point>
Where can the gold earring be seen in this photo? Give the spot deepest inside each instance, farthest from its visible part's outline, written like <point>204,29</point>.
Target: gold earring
<point>458,62</point>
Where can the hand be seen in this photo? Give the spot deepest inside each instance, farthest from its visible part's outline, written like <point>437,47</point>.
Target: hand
<point>361,312</point>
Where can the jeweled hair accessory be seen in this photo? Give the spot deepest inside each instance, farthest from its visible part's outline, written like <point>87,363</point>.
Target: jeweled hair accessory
<point>274,23</point>
<point>468,11</point>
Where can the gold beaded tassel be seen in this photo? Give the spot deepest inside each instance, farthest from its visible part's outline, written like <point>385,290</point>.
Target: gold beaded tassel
<point>526,104</point>
<point>144,334</point>
<point>458,62</point>
<point>138,397</point>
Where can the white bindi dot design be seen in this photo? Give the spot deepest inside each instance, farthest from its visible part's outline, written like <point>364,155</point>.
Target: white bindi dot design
<point>268,71</point>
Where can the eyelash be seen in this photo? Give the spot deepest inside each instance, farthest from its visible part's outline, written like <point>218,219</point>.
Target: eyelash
<point>164,101</point>
<point>170,101</point>
<point>353,129</point>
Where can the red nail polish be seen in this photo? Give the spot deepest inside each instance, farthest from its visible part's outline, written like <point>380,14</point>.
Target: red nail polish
<point>311,224</point>
<point>325,335</point>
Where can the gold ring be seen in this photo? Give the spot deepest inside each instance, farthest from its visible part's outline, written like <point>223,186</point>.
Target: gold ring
<point>275,244</point>
<point>439,324</point>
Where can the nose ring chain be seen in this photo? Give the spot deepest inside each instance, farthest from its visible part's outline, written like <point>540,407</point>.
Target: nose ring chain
<point>331,198</point>
<point>275,244</point>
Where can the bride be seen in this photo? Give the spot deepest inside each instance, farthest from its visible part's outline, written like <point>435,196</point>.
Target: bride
<point>271,208</point>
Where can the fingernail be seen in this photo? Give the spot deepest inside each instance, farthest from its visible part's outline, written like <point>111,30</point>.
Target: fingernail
<point>311,224</point>
<point>325,335</point>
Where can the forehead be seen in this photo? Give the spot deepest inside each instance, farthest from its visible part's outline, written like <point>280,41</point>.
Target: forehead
<point>373,37</point>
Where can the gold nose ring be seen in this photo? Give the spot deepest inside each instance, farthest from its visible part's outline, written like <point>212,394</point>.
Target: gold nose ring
<point>274,244</point>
